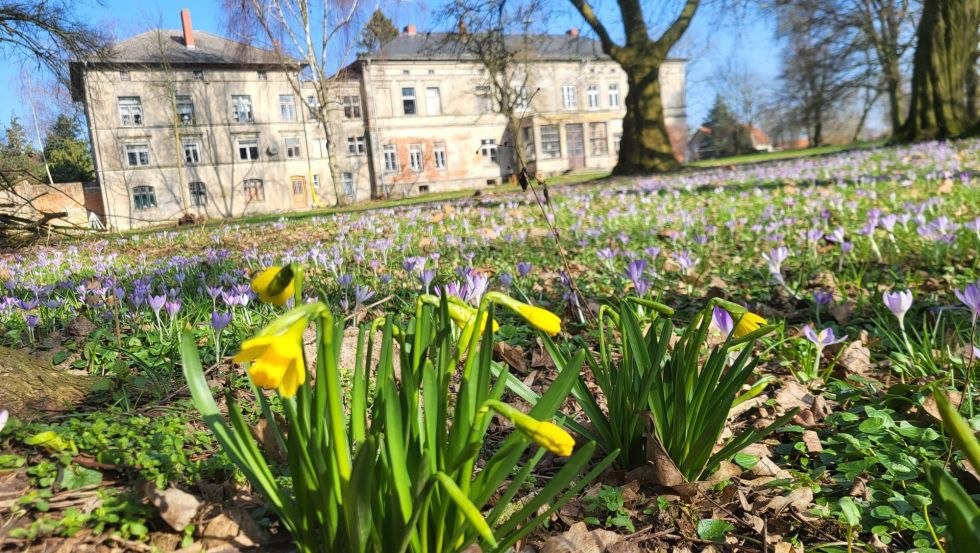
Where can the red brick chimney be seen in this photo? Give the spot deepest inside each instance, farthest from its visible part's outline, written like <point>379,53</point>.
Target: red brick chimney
<point>185,19</point>
<point>409,29</point>
<point>573,32</point>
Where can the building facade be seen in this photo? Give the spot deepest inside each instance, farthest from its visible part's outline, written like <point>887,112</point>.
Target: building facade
<point>185,122</point>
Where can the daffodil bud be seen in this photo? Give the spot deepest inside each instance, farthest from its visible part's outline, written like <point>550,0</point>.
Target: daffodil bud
<point>545,433</point>
<point>274,285</point>
<point>746,321</point>
<point>539,318</point>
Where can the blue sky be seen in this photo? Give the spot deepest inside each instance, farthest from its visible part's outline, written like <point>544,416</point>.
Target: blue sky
<point>710,43</point>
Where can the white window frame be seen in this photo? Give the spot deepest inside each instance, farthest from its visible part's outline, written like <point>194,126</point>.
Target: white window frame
<point>130,111</point>
<point>347,183</point>
<point>137,155</point>
<point>293,149</point>
<point>356,146</point>
<point>148,195</point>
<point>439,155</point>
<point>614,95</point>
<point>528,136</point>
<point>599,145</point>
<point>241,106</point>
<point>484,98</point>
<point>409,99</point>
<point>390,154</point>
<point>416,157</point>
<point>433,100</point>
<point>569,96</point>
<point>185,109</point>
<point>352,107</point>
<point>287,107</point>
<point>550,145</point>
<point>592,96</point>
<point>248,149</point>
<point>192,152</point>
<point>488,149</point>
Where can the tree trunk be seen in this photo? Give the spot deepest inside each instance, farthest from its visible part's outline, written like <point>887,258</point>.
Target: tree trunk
<point>893,87</point>
<point>645,146</point>
<point>945,42</point>
<point>31,388</point>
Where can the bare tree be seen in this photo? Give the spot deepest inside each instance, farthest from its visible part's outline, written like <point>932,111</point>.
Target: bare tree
<point>645,146</point>
<point>499,35</point>
<point>46,33</point>
<point>316,34</point>
<point>821,63</point>
<point>743,90</point>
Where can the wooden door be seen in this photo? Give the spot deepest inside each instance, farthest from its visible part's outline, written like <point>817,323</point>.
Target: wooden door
<point>576,145</point>
<point>300,197</point>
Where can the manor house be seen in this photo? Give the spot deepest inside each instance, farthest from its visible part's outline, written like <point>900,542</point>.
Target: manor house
<point>187,122</point>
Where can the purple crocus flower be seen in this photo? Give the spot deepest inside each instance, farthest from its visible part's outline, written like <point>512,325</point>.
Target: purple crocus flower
<point>523,268</point>
<point>723,320</point>
<point>898,303</point>
<point>220,320</point>
<point>970,296</point>
<point>32,320</point>
<point>157,303</point>
<point>345,280</point>
<point>823,338</point>
<point>427,276</point>
<point>173,307</point>
<point>822,297</point>
<point>362,294</point>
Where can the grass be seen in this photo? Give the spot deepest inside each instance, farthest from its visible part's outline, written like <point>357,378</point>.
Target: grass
<point>783,154</point>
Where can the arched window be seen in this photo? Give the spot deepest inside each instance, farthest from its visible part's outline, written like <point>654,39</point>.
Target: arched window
<point>199,194</point>
<point>144,197</point>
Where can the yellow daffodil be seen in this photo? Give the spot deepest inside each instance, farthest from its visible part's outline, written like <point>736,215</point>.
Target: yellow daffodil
<point>274,285</point>
<point>551,437</point>
<point>539,318</point>
<point>748,322</point>
<point>277,360</point>
<point>546,434</point>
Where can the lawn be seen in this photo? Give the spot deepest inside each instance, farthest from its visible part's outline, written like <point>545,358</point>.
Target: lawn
<point>731,360</point>
<point>763,157</point>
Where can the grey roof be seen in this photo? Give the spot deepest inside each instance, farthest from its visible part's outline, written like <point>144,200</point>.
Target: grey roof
<point>444,46</point>
<point>167,46</point>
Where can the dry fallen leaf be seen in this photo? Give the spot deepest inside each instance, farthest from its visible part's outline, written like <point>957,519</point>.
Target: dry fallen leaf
<point>856,359</point>
<point>177,507</point>
<point>812,441</point>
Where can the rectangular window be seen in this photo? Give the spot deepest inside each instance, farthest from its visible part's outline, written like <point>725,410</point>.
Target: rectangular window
<point>352,107</point>
<point>347,183</point>
<point>242,107</point>
<point>528,135</point>
<point>433,102</point>
<point>488,149</point>
<point>263,76</point>
<point>415,157</point>
<point>484,99</point>
<point>597,139</point>
<point>248,149</point>
<point>130,111</point>
<point>292,147</point>
<point>355,145</point>
<point>254,190</point>
<point>124,76</point>
<point>316,181</point>
<point>312,104</point>
<point>192,152</point>
<point>287,107</point>
<point>592,95</point>
<point>137,155</point>
<point>617,138</point>
<point>408,100</point>
<point>199,194</point>
<point>550,141</point>
<point>439,154</point>
<point>199,75</point>
<point>144,197</point>
<point>614,95</point>
<point>568,96</point>
<point>391,158</point>
<point>185,110</point>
